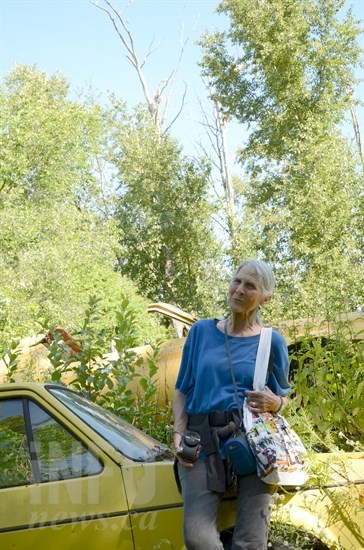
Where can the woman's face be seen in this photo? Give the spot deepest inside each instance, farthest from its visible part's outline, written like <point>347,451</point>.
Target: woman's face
<point>245,293</point>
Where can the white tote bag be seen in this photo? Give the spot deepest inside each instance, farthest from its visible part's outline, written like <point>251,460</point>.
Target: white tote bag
<point>278,450</point>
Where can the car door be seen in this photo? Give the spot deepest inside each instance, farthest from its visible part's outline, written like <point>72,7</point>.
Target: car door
<point>155,506</point>
<point>58,489</point>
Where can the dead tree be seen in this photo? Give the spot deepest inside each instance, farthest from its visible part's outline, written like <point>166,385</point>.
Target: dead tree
<point>157,102</point>
<point>216,129</point>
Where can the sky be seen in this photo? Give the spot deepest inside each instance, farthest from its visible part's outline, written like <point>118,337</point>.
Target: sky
<point>77,39</point>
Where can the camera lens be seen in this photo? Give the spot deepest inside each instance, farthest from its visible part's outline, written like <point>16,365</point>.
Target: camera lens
<point>191,439</point>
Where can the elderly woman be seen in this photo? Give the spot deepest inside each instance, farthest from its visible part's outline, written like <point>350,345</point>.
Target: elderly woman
<point>204,396</point>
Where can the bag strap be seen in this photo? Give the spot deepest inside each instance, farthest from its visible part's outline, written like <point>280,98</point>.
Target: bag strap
<point>232,373</point>
<point>262,359</point>
<point>261,363</point>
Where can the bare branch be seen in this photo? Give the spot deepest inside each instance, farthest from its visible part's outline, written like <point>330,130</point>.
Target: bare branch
<point>114,22</point>
<point>213,136</point>
<point>157,105</point>
<point>128,43</point>
<point>180,109</point>
<point>219,222</point>
<point>172,78</point>
<point>151,50</point>
<point>216,132</point>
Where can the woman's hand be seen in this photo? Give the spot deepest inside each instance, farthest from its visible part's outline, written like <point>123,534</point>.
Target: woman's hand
<point>264,401</point>
<point>186,463</point>
<point>180,426</point>
<point>177,440</point>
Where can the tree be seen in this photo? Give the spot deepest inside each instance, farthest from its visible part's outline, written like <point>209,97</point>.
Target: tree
<point>286,71</point>
<point>164,213</point>
<point>164,216</point>
<point>58,244</point>
<point>42,134</point>
<point>216,125</point>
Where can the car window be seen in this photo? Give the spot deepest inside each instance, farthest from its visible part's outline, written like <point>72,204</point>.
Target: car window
<point>127,439</point>
<point>15,463</point>
<point>36,448</point>
<point>60,455</point>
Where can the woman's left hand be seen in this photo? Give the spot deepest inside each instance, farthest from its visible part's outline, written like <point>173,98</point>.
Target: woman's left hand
<point>262,401</point>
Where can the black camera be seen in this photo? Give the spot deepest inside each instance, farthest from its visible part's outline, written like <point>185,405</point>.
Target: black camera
<point>189,447</point>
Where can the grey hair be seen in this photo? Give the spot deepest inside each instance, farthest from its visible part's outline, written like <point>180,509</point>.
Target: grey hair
<point>265,276</point>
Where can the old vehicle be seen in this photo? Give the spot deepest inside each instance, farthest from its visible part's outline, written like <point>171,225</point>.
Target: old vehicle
<point>32,355</point>
<point>72,475</point>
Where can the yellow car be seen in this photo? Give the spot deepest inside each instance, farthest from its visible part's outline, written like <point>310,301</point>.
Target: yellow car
<point>73,475</point>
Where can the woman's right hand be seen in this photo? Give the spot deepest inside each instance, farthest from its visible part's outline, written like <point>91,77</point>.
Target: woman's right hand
<point>177,440</point>
<point>180,426</point>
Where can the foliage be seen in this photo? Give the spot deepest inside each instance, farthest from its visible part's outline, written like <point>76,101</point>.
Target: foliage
<point>15,458</point>
<point>328,378</point>
<point>48,141</point>
<point>59,242</point>
<point>122,382</point>
<point>335,494</point>
<point>286,71</point>
<point>164,215</point>
<point>9,355</point>
<point>314,234</point>
<point>282,536</point>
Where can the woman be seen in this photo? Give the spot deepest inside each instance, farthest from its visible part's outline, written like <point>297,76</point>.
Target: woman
<point>204,396</point>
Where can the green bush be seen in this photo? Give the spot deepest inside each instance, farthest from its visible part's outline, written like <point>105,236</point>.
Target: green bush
<point>328,381</point>
<point>115,383</point>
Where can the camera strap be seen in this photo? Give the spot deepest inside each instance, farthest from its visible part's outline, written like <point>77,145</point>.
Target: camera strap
<point>233,374</point>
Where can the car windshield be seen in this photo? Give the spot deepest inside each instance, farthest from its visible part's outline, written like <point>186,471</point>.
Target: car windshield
<point>125,438</point>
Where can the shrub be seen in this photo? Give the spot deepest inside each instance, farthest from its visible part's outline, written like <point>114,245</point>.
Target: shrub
<point>124,384</point>
<point>328,380</point>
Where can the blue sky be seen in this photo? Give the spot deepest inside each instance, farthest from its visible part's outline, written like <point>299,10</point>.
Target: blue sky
<point>77,39</point>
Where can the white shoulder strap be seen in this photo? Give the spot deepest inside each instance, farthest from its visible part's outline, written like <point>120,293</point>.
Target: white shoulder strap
<point>260,372</point>
<point>261,363</point>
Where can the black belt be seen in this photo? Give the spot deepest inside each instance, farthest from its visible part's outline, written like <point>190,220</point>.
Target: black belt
<point>216,418</point>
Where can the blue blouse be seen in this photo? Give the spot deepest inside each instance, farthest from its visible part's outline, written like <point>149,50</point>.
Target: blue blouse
<point>204,376</point>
